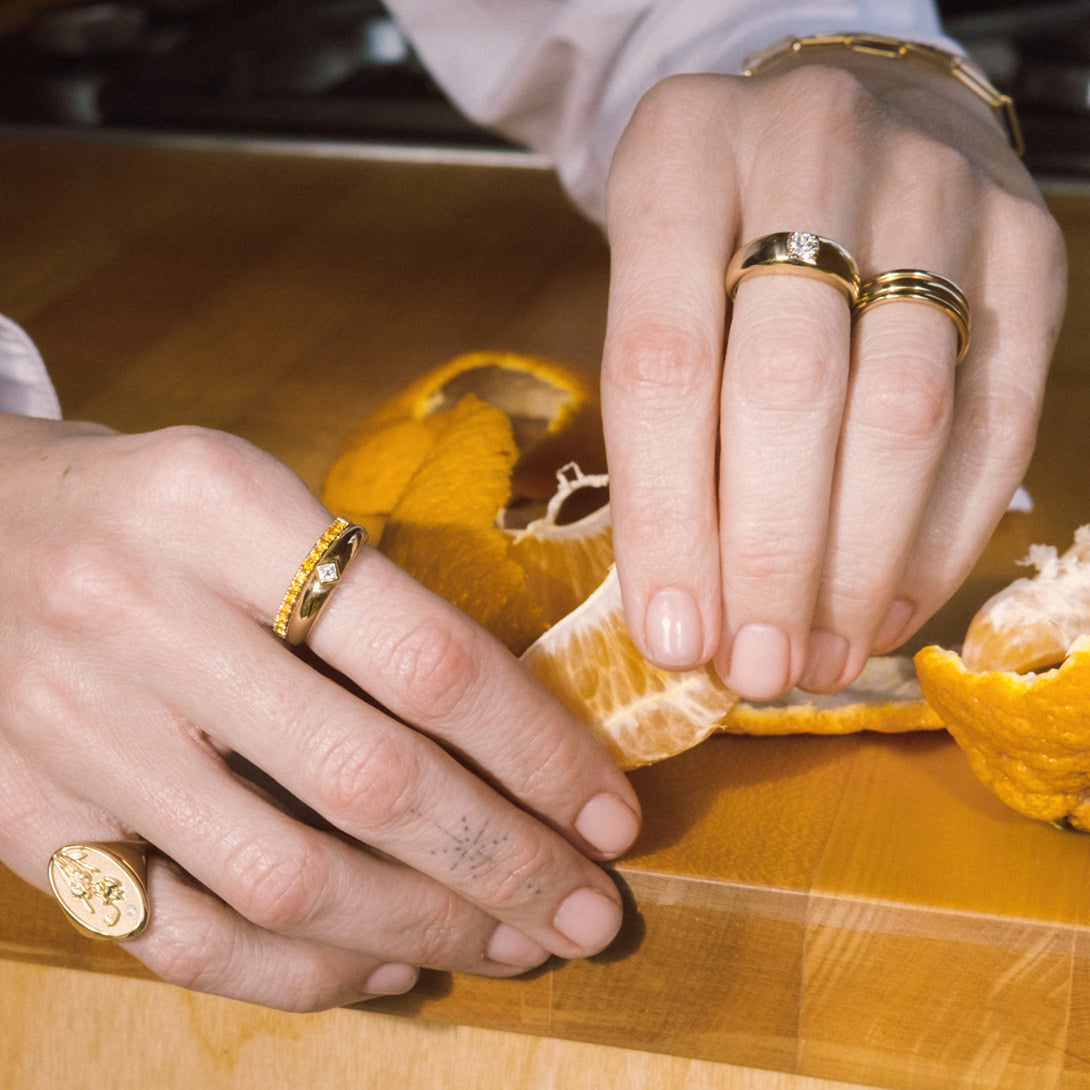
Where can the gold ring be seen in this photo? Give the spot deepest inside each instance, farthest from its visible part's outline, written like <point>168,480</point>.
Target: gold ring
<point>102,887</point>
<point>797,252</point>
<point>922,287</point>
<point>316,580</point>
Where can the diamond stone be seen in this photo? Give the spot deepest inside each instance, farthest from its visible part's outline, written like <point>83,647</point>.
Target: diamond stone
<point>802,246</point>
<point>327,573</point>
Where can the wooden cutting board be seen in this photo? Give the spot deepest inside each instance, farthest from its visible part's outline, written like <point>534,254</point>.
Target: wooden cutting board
<point>856,908</point>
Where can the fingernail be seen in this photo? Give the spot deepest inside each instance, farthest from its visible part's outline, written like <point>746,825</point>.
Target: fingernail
<point>675,631</point>
<point>826,656</point>
<point>608,823</point>
<point>760,662</point>
<point>392,979</point>
<point>589,919</point>
<point>510,946</point>
<point>895,628</point>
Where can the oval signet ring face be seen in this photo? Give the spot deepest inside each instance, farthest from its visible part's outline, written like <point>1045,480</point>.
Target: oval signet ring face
<point>101,888</point>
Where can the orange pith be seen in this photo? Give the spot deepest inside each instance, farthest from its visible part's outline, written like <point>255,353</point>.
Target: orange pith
<point>886,698</point>
<point>565,562</point>
<point>1032,622</point>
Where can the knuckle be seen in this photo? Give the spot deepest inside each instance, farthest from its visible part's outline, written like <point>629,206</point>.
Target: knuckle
<point>277,887</point>
<point>36,699</point>
<point>786,375</point>
<point>432,946</point>
<point>192,954</point>
<point>435,670</point>
<point>911,403</point>
<point>667,109</point>
<point>658,357</point>
<point>768,574</point>
<point>508,884</point>
<point>88,583</point>
<point>365,778</point>
<point>191,467</point>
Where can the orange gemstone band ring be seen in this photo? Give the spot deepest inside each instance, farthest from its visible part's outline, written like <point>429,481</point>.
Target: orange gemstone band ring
<point>316,579</point>
<point>799,253</point>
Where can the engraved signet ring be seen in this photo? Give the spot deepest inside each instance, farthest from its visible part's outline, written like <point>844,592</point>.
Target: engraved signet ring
<point>102,887</point>
<point>798,253</point>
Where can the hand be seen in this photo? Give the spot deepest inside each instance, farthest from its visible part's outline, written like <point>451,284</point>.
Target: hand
<point>858,475</point>
<point>141,575</point>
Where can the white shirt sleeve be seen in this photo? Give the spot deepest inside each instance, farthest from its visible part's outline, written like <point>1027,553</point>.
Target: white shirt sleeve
<point>24,384</point>
<point>563,76</point>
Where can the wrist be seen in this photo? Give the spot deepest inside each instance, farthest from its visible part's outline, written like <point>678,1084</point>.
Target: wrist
<point>893,66</point>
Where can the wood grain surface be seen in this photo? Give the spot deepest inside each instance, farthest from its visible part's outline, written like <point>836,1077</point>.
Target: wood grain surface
<point>857,909</point>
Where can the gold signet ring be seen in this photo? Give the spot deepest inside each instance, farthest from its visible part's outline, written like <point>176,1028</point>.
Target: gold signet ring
<point>316,579</point>
<point>102,887</point>
<point>799,253</point>
<point>919,286</point>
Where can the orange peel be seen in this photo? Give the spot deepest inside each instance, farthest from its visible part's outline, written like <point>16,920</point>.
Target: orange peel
<point>1027,736</point>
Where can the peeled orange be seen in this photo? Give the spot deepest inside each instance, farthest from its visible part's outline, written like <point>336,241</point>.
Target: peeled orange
<point>1017,699</point>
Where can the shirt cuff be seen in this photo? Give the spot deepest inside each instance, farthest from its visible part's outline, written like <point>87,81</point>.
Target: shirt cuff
<point>25,387</point>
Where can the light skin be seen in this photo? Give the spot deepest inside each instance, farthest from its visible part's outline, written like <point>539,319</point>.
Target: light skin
<point>859,474</point>
<point>148,656</point>
<point>456,817</point>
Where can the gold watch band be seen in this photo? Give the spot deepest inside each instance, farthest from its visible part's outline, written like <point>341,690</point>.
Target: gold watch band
<point>876,45</point>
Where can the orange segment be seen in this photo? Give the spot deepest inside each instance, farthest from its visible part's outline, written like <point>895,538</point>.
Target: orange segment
<point>1027,736</point>
<point>640,713</point>
<point>1031,623</point>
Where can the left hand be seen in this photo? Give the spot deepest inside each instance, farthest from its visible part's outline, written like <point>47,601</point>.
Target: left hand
<point>790,493</point>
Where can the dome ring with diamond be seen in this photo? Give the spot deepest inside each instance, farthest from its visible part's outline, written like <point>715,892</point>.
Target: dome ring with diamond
<point>799,253</point>
<point>316,579</point>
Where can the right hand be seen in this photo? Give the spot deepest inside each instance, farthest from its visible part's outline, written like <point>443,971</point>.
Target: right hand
<point>140,578</point>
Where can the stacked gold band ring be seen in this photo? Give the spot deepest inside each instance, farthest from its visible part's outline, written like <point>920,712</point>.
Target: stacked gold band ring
<point>102,887</point>
<point>799,253</point>
<point>316,579</point>
<point>922,287</point>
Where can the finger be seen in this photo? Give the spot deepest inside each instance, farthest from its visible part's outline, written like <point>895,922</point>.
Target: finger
<point>274,870</point>
<point>424,660</point>
<point>395,789</point>
<point>192,939</point>
<point>669,227</point>
<point>430,665</point>
<point>895,428</point>
<point>997,403</point>
<point>306,883</point>
<point>784,388</point>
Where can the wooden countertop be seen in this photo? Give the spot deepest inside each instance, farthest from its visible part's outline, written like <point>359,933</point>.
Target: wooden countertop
<point>852,908</point>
